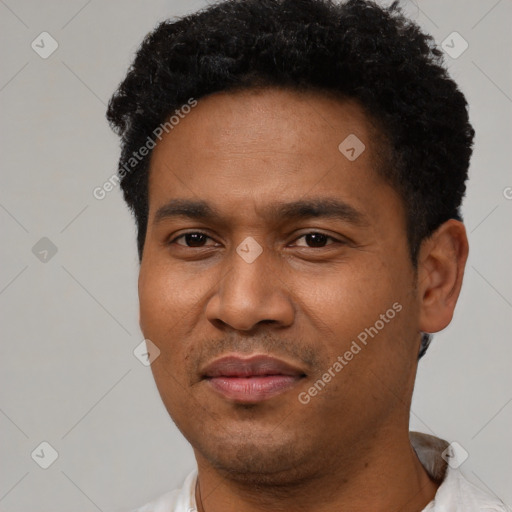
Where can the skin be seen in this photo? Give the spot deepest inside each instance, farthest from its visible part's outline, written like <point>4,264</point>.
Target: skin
<point>301,300</point>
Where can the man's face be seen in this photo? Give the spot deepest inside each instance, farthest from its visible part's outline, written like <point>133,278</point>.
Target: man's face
<point>304,289</point>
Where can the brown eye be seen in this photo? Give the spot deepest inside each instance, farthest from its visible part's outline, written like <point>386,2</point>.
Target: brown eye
<point>192,239</point>
<point>316,240</point>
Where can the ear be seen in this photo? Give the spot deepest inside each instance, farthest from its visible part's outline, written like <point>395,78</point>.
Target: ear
<point>139,280</point>
<point>441,262</point>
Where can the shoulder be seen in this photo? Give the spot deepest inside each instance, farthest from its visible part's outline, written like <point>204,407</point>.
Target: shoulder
<point>458,493</point>
<point>161,504</point>
<point>177,500</point>
<point>455,492</point>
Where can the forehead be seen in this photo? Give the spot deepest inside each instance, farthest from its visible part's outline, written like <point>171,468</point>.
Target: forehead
<point>301,123</point>
<point>253,146</point>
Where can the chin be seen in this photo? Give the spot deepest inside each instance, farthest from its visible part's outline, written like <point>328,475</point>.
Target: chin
<point>255,459</point>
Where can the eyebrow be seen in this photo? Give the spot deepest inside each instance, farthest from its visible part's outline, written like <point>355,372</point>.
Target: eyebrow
<point>295,210</point>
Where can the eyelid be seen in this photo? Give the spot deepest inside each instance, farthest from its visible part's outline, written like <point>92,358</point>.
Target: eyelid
<point>169,242</point>
<point>340,240</point>
<point>334,239</point>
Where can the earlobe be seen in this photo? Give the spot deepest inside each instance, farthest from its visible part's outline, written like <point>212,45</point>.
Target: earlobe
<point>441,265</point>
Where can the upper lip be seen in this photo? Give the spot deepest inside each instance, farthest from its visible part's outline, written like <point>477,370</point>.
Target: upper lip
<point>256,365</point>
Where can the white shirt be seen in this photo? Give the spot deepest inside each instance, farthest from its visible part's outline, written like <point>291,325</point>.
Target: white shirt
<point>455,494</point>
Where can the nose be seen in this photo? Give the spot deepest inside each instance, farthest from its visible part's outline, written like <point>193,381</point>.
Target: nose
<point>251,292</point>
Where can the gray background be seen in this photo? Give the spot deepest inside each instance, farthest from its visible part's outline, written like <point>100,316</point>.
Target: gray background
<point>70,323</point>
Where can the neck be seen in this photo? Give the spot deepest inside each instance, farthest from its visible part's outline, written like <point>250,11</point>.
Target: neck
<point>383,475</point>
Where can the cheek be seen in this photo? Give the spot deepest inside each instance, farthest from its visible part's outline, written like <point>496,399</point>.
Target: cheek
<point>162,299</point>
<point>351,298</point>
<point>365,315</point>
<point>169,308</point>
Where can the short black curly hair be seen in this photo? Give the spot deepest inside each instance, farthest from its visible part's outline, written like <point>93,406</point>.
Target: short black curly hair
<point>356,49</point>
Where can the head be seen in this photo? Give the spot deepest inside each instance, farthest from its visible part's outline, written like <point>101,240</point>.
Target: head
<point>329,139</point>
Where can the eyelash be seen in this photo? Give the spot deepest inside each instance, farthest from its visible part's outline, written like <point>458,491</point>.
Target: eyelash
<point>301,236</point>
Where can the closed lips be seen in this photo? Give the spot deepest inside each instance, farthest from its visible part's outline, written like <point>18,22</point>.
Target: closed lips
<point>254,366</point>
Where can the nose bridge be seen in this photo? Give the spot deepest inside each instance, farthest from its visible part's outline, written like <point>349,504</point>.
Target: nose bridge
<point>246,282</point>
<point>250,292</point>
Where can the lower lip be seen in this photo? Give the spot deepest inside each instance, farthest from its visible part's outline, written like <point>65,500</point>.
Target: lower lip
<point>252,389</point>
